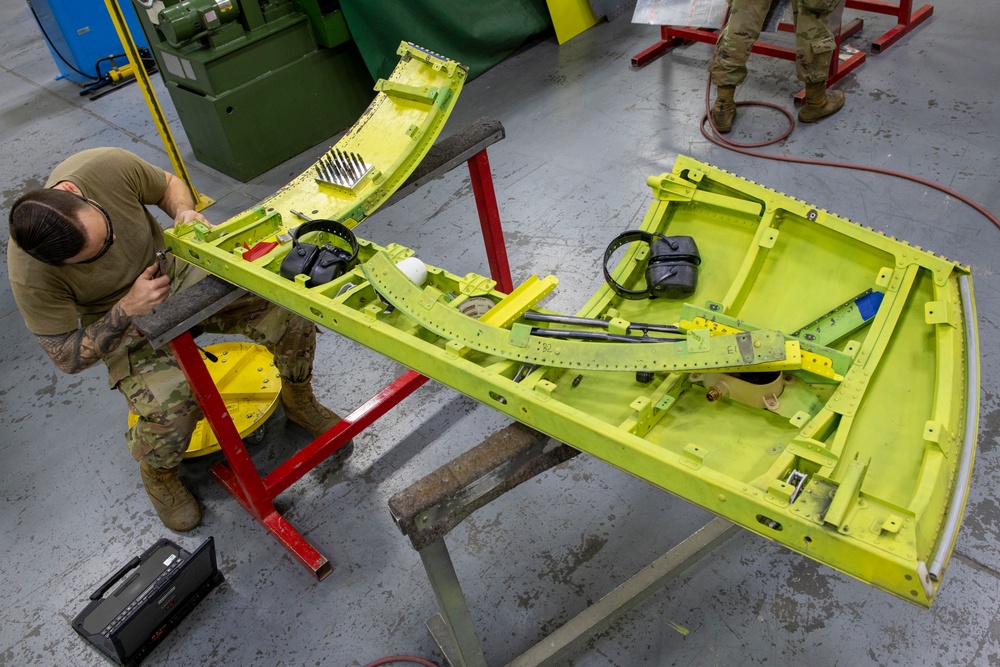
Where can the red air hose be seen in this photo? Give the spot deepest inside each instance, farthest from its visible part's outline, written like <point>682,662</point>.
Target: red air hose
<point>716,138</point>
<point>402,658</point>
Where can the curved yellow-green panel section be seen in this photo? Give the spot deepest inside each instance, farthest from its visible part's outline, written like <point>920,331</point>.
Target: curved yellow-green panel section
<point>393,136</point>
<point>889,455</point>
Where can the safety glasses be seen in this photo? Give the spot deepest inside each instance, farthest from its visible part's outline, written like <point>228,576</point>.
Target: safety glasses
<point>109,239</point>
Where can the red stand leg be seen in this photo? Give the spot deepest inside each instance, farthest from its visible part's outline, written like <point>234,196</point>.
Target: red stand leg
<point>238,474</point>
<point>489,220</point>
<point>906,18</point>
<point>667,42</point>
<point>322,447</point>
<point>242,481</point>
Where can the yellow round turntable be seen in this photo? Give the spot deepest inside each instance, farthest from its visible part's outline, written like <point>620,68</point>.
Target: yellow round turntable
<point>249,384</point>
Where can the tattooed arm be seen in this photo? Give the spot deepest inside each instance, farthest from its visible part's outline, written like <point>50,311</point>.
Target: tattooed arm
<point>78,350</point>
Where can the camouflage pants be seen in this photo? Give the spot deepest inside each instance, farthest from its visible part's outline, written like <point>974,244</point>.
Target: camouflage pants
<point>814,41</point>
<point>157,391</point>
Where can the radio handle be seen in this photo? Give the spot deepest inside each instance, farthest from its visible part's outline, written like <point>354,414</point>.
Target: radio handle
<point>131,565</point>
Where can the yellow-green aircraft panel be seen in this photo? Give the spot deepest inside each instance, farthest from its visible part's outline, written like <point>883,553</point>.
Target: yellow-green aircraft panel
<point>854,446</point>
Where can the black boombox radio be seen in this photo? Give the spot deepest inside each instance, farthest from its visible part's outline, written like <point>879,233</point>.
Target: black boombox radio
<point>157,590</point>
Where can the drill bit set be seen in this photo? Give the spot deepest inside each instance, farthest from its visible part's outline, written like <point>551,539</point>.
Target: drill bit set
<point>341,168</point>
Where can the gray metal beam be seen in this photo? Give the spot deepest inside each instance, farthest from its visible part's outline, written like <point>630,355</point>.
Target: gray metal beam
<point>568,639</point>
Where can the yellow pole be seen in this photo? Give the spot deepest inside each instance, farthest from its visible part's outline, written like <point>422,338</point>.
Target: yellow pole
<point>200,200</point>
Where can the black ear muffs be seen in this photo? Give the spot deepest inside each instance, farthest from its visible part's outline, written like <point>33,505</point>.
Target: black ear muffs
<point>672,270</point>
<point>321,263</point>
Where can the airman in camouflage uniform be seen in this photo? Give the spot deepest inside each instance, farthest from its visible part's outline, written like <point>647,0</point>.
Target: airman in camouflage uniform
<point>814,42</point>
<point>159,394</point>
<point>81,261</point>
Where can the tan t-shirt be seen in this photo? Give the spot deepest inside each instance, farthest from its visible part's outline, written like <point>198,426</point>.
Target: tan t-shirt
<point>60,299</point>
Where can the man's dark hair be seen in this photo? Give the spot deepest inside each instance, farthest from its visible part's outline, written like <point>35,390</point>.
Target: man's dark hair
<point>44,223</point>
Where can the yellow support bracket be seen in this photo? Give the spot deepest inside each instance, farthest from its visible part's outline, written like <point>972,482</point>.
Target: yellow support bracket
<point>791,362</point>
<point>795,357</point>
<point>716,328</point>
<point>517,303</point>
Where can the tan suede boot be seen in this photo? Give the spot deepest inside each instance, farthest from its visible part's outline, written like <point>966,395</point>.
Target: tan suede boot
<point>724,110</point>
<point>302,408</point>
<point>174,504</point>
<point>820,103</point>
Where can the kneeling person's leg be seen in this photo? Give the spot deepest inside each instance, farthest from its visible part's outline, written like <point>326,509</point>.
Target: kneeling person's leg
<point>294,352</point>
<point>292,341</point>
<point>159,394</point>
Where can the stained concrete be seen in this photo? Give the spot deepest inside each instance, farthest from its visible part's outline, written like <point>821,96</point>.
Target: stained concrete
<point>584,130</point>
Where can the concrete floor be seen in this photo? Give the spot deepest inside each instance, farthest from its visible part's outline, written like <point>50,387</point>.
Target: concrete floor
<point>583,132</point>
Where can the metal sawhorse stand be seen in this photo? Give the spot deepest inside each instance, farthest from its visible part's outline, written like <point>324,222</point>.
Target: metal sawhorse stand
<point>671,36</point>
<point>907,20</point>
<point>430,508</point>
<point>172,321</point>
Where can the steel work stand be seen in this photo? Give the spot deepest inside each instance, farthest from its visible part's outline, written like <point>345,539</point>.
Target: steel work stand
<point>171,322</point>
<point>430,508</point>
<point>672,36</point>
<point>906,18</point>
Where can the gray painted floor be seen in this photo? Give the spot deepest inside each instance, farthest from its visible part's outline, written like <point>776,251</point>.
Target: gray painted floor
<point>583,133</point>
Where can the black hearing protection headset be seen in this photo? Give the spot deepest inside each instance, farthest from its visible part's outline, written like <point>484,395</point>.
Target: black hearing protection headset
<point>672,271</point>
<point>321,263</point>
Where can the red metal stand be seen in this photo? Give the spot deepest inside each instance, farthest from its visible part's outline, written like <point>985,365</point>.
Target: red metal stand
<point>489,220</point>
<point>671,36</point>
<point>903,11</point>
<point>239,475</point>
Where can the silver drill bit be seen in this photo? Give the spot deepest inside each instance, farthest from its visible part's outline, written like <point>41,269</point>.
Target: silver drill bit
<point>338,169</point>
<point>355,172</point>
<point>342,163</point>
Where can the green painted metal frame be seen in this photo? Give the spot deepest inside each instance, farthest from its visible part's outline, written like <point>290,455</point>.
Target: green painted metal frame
<point>883,461</point>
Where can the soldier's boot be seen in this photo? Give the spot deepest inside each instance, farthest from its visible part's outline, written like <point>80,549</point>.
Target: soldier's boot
<point>174,504</point>
<point>303,408</point>
<point>724,109</point>
<point>820,102</point>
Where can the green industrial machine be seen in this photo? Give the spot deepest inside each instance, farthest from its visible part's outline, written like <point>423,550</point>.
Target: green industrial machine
<point>256,82</point>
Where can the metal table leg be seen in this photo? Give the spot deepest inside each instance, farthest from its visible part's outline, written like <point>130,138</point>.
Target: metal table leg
<point>452,629</point>
<point>568,639</point>
<point>489,219</point>
<point>907,19</point>
<point>434,505</point>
